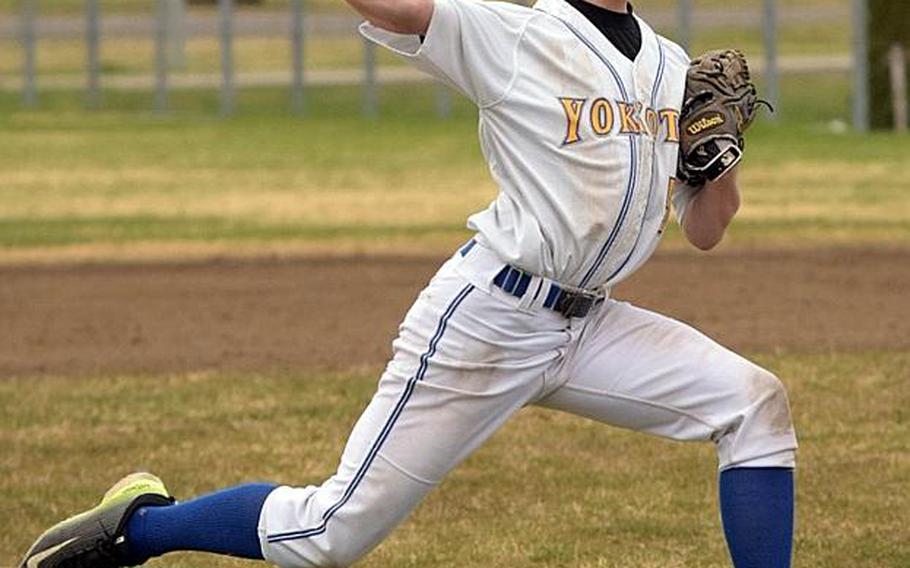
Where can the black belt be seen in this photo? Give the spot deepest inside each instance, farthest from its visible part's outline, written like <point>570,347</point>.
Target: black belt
<point>569,303</point>
<point>515,281</point>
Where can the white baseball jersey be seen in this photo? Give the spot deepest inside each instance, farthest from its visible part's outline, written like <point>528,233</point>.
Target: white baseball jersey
<point>581,141</point>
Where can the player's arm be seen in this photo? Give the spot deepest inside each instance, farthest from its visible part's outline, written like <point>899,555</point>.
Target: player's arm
<point>720,103</point>
<point>399,16</point>
<point>710,212</point>
<point>470,46</point>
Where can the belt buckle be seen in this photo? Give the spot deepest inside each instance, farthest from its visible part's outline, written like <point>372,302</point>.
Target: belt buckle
<point>577,304</point>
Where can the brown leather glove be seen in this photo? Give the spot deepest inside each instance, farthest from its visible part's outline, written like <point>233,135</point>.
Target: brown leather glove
<point>719,106</point>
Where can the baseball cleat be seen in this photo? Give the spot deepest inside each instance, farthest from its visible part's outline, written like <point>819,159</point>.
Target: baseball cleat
<point>95,539</point>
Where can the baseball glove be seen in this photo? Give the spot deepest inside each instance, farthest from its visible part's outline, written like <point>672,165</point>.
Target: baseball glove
<point>719,106</point>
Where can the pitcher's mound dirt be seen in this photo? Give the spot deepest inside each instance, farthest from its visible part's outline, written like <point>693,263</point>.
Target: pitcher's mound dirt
<point>335,313</point>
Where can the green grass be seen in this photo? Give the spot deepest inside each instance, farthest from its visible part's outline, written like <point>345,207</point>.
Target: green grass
<point>549,490</point>
<point>65,231</point>
<point>124,175</point>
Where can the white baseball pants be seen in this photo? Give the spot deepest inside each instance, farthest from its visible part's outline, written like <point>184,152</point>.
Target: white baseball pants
<point>469,355</point>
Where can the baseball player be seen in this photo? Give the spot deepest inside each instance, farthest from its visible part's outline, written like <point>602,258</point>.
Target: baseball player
<point>587,121</point>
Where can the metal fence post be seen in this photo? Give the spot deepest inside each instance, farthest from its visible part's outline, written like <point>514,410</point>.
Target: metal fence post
<point>297,53</point>
<point>92,54</point>
<point>443,101</point>
<point>861,117</point>
<point>175,14</point>
<point>161,55</point>
<point>226,29</point>
<point>28,38</point>
<point>772,75</point>
<point>897,69</point>
<point>370,103</point>
<point>684,16</point>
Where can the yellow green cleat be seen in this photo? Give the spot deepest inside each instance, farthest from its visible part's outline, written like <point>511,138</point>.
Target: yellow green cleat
<point>94,538</point>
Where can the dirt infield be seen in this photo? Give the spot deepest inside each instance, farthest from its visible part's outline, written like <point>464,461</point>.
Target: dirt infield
<point>334,313</point>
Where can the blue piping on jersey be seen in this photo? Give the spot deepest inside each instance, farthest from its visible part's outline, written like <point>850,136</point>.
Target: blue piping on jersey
<point>386,429</point>
<point>626,205</point>
<point>657,82</point>
<point>633,146</point>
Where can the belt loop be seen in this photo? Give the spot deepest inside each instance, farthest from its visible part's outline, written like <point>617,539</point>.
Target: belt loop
<point>533,294</point>
<point>552,295</point>
<point>467,247</point>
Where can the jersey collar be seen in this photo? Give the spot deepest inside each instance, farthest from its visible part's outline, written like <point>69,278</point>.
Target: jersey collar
<point>646,69</point>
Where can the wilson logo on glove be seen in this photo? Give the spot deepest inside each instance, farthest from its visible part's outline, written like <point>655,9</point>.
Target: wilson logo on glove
<point>705,123</point>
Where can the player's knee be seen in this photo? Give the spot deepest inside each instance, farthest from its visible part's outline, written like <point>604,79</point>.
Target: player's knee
<point>772,403</point>
<point>762,433</point>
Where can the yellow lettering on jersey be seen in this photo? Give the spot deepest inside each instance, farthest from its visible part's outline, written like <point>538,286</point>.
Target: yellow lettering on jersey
<point>671,117</point>
<point>653,122</point>
<point>629,123</point>
<point>602,117</point>
<point>572,108</point>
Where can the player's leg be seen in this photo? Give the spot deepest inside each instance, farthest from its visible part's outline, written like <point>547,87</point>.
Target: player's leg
<point>465,360</point>
<point>640,370</point>
<point>223,522</point>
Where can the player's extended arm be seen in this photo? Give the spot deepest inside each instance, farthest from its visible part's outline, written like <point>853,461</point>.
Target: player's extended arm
<point>400,16</point>
<point>711,210</point>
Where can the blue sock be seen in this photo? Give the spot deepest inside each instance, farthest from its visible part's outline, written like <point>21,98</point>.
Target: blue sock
<point>756,505</point>
<point>225,522</point>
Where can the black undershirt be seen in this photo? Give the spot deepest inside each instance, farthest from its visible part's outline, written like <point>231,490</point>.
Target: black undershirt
<point>620,28</point>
